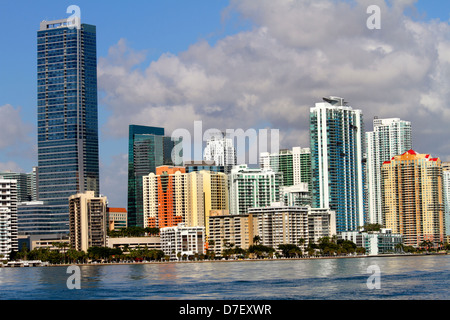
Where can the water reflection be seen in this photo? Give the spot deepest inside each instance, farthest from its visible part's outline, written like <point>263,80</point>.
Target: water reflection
<point>401,277</point>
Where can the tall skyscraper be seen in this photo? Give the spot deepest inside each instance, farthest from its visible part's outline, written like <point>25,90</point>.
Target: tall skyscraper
<point>337,165</point>
<point>220,150</point>
<point>148,149</point>
<point>389,138</point>
<point>412,198</point>
<point>68,155</point>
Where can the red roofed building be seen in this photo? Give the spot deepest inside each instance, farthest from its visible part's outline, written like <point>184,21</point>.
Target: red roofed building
<point>116,218</point>
<point>412,198</point>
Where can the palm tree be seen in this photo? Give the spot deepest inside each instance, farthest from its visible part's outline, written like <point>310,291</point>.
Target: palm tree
<point>256,240</point>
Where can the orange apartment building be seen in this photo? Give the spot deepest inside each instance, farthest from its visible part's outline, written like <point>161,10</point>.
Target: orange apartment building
<point>169,198</point>
<point>172,196</point>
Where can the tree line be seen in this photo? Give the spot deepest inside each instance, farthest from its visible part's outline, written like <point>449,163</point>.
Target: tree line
<point>325,246</point>
<point>63,254</point>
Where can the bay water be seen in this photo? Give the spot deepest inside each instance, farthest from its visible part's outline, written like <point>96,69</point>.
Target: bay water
<point>369,278</point>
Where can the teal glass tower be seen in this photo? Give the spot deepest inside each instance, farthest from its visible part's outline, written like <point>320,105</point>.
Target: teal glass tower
<point>68,154</point>
<point>338,162</point>
<point>148,148</point>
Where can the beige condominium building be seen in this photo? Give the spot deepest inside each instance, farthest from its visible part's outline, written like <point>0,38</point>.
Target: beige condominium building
<point>226,229</point>
<point>87,221</point>
<point>412,198</point>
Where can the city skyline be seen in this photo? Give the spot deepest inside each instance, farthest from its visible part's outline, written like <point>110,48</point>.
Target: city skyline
<point>190,68</point>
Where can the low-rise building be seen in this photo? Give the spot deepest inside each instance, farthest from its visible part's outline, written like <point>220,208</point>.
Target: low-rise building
<point>375,242</point>
<point>321,223</point>
<point>117,218</point>
<point>279,224</point>
<point>130,243</point>
<point>181,241</point>
<point>226,229</point>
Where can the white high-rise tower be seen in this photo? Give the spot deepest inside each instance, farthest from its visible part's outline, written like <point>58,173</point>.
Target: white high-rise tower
<point>220,149</point>
<point>389,138</point>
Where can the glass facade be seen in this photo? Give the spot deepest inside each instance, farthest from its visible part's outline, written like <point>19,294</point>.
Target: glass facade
<point>338,163</point>
<point>68,158</point>
<point>148,148</point>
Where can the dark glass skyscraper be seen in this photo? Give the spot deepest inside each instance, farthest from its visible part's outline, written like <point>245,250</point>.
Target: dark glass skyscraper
<point>68,155</point>
<point>148,149</point>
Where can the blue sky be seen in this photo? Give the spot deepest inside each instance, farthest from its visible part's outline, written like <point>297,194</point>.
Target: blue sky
<point>153,28</point>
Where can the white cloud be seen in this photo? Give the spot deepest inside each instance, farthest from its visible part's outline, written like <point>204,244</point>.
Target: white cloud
<point>297,52</point>
<point>10,166</point>
<point>113,180</point>
<point>13,131</point>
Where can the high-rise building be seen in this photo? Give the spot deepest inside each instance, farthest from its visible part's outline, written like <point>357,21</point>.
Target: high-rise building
<point>25,184</point>
<point>446,195</point>
<point>220,150</point>
<point>164,197</point>
<point>88,226</point>
<point>68,155</point>
<point>172,196</point>
<point>390,137</point>
<point>337,161</point>
<point>8,218</point>
<point>295,164</point>
<point>253,187</point>
<point>148,149</point>
<point>208,191</point>
<point>412,198</point>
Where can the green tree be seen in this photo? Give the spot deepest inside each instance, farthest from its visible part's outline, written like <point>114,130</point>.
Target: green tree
<point>290,250</point>
<point>256,240</point>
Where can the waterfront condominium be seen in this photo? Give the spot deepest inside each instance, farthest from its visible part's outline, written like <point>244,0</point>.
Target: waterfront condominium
<point>148,148</point>
<point>88,224</point>
<point>253,187</point>
<point>389,138</point>
<point>68,158</point>
<point>337,163</point>
<point>8,217</point>
<point>446,195</point>
<point>412,198</point>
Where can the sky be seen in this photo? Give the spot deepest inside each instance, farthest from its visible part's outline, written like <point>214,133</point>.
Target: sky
<point>234,64</point>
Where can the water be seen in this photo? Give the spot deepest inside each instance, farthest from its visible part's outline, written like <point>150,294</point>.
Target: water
<point>408,277</point>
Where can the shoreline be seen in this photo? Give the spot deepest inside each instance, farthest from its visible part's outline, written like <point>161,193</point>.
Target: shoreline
<point>229,260</point>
